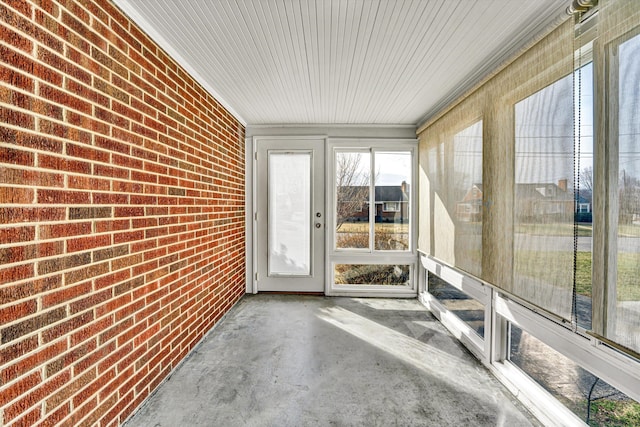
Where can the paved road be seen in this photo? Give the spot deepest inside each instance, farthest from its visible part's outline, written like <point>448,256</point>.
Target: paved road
<point>564,243</point>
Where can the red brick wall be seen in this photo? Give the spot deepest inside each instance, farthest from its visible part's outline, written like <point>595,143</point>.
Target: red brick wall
<point>121,213</point>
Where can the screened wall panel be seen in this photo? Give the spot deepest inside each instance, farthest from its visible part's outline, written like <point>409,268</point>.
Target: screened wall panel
<point>441,171</point>
<point>619,46</point>
<point>467,193</point>
<point>454,170</point>
<point>544,198</point>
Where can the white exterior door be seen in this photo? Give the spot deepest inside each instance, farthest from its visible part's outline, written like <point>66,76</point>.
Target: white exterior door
<point>290,215</point>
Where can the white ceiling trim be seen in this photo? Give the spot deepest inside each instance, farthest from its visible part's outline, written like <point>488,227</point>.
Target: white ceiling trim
<point>159,39</point>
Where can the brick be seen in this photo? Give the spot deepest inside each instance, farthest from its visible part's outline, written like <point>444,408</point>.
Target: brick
<point>16,59</point>
<point>85,152</point>
<point>128,211</point>
<point>19,254</point>
<point>20,387</point>
<point>16,273</point>
<point>18,349</point>
<point>46,196</point>
<point>113,225</point>
<point>17,234</point>
<point>88,183</point>
<point>16,157</point>
<point>16,79</point>
<point>112,252</point>
<point>90,213</point>
<point>99,412</point>
<point>127,162</point>
<point>109,199</point>
<point>86,243</point>
<point>17,311</point>
<point>31,177</point>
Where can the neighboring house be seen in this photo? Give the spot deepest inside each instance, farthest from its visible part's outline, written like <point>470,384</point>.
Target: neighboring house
<point>391,203</point>
<point>470,208</point>
<point>543,201</point>
<point>534,201</point>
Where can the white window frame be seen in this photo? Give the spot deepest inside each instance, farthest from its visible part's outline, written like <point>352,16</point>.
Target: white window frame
<point>614,367</point>
<point>336,256</point>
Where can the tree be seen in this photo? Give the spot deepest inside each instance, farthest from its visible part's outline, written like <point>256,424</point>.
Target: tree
<point>629,197</point>
<point>352,186</point>
<point>586,179</point>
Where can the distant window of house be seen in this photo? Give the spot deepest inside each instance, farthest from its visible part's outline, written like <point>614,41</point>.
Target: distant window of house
<point>391,207</point>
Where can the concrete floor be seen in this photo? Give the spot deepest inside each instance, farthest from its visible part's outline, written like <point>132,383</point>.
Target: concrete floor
<point>284,360</point>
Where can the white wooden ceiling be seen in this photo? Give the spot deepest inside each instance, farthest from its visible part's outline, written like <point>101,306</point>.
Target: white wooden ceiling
<point>340,61</point>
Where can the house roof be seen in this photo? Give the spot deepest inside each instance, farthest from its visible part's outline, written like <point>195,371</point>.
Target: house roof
<point>542,191</point>
<point>383,193</point>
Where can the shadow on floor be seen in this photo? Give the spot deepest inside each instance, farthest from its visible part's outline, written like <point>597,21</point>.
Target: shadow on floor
<point>284,360</point>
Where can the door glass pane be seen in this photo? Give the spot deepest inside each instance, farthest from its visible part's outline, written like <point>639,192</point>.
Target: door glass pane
<point>290,213</point>
<point>544,198</point>
<point>392,197</point>
<point>624,325</point>
<point>352,200</point>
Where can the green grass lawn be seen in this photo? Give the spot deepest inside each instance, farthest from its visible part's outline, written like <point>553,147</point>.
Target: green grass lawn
<point>544,265</point>
<point>566,229</point>
<point>616,413</point>
<point>563,229</point>
<point>363,227</point>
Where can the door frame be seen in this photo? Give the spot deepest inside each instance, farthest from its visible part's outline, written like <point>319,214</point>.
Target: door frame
<point>252,281</point>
